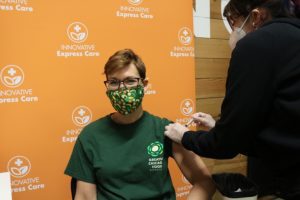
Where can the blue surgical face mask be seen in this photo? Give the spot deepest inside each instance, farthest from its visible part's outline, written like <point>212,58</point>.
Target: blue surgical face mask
<point>237,34</point>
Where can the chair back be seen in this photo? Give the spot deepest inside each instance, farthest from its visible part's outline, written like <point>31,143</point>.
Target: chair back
<point>73,187</point>
<point>5,186</point>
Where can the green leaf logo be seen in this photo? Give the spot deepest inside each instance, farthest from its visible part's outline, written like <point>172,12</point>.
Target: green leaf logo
<point>155,149</point>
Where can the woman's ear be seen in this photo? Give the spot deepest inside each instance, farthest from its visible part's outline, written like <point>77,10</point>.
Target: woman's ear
<point>258,17</point>
<point>145,82</point>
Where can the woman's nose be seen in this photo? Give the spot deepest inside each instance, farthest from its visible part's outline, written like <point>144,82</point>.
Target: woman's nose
<point>122,84</point>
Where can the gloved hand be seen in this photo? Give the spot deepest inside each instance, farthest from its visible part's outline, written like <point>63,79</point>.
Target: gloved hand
<point>203,119</point>
<point>175,132</point>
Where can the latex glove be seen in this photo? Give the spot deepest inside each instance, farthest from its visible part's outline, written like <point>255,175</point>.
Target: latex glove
<point>175,132</point>
<point>204,119</point>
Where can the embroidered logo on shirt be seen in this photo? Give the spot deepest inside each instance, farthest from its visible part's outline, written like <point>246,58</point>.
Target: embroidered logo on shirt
<point>155,149</point>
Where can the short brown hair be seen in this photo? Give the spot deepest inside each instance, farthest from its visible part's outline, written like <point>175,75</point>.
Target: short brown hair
<point>122,59</point>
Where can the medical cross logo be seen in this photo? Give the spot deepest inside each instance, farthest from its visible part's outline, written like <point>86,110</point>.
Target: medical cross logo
<point>19,166</point>
<point>81,116</point>
<point>187,107</point>
<point>12,76</point>
<point>185,36</point>
<point>77,32</point>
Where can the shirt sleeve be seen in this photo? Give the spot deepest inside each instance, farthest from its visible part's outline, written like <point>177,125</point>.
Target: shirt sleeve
<point>80,166</point>
<point>167,141</point>
<point>246,106</point>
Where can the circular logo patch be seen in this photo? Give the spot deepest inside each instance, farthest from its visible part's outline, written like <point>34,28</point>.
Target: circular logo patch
<point>155,149</point>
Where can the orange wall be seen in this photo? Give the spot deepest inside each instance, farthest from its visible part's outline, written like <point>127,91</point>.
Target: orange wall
<point>52,57</point>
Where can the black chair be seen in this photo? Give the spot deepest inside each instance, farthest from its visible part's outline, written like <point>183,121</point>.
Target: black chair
<point>73,187</point>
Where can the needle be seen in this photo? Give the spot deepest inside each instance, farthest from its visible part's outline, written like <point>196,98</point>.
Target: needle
<point>189,122</point>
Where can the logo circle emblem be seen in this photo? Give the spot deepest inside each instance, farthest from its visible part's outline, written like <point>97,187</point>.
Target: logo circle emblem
<point>81,116</point>
<point>135,2</point>
<point>19,166</point>
<point>77,32</point>
<point>187,107</point>
<point>12,76</point>
<point>185,36</point>
<point>155,149</point>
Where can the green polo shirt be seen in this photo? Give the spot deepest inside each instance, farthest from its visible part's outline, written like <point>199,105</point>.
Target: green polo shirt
<point>124,161</point>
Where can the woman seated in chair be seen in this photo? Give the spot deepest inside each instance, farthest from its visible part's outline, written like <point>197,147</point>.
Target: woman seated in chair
<point>124,155</point>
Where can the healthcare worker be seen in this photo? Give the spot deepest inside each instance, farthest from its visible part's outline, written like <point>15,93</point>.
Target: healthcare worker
<point>260,114</point>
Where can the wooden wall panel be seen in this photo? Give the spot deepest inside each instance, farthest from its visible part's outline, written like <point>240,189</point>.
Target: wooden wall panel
<point>211,67</point>
<point>215,9</point>
<point>218,30</point>
<point>212,48</point>
<point>235,165</point>
<point>209,105</point>
<point>210,88</point>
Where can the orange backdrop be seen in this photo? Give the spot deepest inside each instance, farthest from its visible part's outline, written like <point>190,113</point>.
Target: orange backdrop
<point>51,81</point>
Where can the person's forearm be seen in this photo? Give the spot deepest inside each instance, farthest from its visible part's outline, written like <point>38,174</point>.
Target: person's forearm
<point>203,143</point>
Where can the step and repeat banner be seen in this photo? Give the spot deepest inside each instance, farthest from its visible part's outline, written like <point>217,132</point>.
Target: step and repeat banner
<point>51,79</point>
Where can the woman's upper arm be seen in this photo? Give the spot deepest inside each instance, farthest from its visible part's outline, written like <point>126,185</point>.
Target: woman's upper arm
<point>191,165</point>
<point>86,191</point>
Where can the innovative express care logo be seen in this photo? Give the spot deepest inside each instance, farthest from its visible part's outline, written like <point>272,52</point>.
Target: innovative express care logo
<point>19,168</point>
<point>12,77</point>
<point>77,33</point>
<point>187,108</point>
<point>15,5</point>
<point>185,38</point>
<point>134,11</point>
<point>81,116</point>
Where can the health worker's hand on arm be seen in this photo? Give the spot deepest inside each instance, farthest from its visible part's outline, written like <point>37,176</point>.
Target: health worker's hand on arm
<point>175,132</point>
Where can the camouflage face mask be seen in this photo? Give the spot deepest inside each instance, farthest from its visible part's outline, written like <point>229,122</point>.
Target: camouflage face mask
<point>126,101</point>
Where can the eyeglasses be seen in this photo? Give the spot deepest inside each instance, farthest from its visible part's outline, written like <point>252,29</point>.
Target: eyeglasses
<point>114,84</point>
